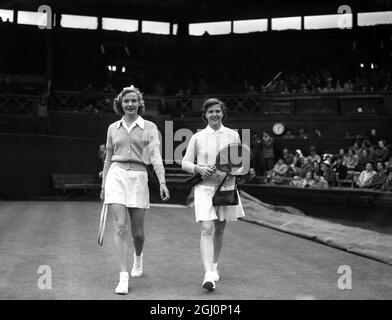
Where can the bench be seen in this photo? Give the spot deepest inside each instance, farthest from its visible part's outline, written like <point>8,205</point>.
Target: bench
<point>71,181</point>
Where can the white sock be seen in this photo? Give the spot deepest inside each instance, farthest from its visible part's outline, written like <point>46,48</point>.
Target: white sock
<point>124,275</point>
<point>215,266</point>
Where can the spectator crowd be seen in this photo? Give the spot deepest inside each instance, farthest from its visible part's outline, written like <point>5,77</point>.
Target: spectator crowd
<point>366,164</point>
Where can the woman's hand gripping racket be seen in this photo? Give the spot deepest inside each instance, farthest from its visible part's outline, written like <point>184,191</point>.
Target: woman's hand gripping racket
<point>233,159</point>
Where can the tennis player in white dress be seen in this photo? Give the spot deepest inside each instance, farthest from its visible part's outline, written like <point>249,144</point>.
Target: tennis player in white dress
<point>132,143</point>
<point>203,148</point>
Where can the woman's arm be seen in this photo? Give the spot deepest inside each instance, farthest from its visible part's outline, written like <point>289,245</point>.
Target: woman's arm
<point>155,154</point>
<point>108,158</point>
<point>188,162</point>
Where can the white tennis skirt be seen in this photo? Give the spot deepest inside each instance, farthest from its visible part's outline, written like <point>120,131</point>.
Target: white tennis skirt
<point>205,211</point>
<point>127,187</point>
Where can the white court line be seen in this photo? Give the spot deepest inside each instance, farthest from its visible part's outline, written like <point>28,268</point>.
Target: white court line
<point>166,205</point>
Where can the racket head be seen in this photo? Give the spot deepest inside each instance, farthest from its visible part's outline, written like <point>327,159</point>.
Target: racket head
<point>234,159</point>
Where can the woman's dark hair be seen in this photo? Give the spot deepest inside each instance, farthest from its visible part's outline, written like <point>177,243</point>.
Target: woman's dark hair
<point>117,103</point>
<point>212,102</point>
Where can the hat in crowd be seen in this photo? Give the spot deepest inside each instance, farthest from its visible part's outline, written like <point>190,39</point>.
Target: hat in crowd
<point>326,162</point>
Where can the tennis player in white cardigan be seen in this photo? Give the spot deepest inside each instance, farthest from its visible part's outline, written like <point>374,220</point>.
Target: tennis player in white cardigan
<point>132,143</point>
<point>203,148</point>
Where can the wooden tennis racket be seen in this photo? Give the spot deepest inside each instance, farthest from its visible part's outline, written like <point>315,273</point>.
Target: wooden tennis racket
<point>102,223</point>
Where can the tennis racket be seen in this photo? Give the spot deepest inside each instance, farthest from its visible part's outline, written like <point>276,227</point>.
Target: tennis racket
<point>233,159</point>
<point>102,223</point>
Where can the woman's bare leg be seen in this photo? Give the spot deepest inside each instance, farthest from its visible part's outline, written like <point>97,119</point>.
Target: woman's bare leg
<point>218,238</point>
<point>137,228</point>
<point>207,244</point>
<point>119,213</point>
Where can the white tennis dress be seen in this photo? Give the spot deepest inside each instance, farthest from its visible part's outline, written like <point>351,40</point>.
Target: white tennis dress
<point>204,147</point>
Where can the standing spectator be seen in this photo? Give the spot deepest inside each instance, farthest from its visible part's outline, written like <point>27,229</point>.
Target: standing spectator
<point>381,152</point>
<point>319,182</point>
<point>366,175</point>
<point>268,151</point>
<point>256,155</point>
<point>379,178</point>
<point>387,186</point>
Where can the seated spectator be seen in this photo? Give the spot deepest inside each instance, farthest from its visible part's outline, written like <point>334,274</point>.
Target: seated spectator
<point>296,182</point>
<point>288,157</point>
<point>355,147</point>
<point>317,168</point>
<point>388,164</point>
<point>313,156</point>
<point>302,134</point>
<point>387,186</point>
<point>365,178</point>
<point>340,169</point>
<point>288,134</point>
<point>252,178</point>
<point>319,182</point>
<point>305,167</point>
<point>351,160</point>
<point>307,181</point>
<point>278,173</point>
<point>298,158</point>
<point>342,153</point>
<point>363,159</point>
<point>379,178</point>
<point>327,157</point>
<point>381,152</point>
<point>328,173</point>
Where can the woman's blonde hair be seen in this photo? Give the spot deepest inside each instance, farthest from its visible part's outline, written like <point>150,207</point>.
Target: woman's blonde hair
<point>117,103</point>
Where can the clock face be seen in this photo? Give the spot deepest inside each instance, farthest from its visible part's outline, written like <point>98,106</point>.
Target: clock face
<point>278,128</point>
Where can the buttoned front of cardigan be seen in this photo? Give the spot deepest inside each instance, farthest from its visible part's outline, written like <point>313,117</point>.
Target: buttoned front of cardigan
<point>134,147</point>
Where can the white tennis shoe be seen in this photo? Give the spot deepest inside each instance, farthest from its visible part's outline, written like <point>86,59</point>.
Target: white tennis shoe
<point>137,269</point>
<point>122,287</point>
<point>208,282</point>
<point>215,272</point>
